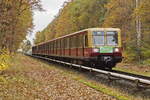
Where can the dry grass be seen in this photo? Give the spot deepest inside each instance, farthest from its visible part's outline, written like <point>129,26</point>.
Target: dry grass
<point>136,69</point>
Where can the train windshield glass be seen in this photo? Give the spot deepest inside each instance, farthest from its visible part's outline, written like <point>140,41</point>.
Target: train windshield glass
<point>112,38</point>
<point>98,37</point>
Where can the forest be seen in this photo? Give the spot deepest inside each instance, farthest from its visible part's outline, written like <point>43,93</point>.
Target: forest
<point>16,22</point>
<point>131,17</point>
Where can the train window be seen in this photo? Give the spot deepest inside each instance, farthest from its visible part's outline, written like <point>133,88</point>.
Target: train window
<point>73,41</point>
<point>49,46</point>
<point>112,38</point>
<point>46,46</point>
<point>86,40</point>
<point>57,44</point>
<point>62,46</point>
<point>68,40</point>
<point>54,44</point>
<point>98,37</point>
<point>59,41</point>
<point>80,40</point>
<point>65,43</point>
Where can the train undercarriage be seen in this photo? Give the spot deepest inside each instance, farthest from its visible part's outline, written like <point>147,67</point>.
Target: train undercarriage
<point>99,62</point>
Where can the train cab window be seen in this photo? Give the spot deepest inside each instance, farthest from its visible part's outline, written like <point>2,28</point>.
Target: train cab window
<point>112,37</point>
<point>98,37</point>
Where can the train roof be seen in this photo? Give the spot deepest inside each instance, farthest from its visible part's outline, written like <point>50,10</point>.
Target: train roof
<point>89,29</point>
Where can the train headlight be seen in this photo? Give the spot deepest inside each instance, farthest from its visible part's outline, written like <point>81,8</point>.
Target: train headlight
<point>95,50</point>
<point>116,50</point>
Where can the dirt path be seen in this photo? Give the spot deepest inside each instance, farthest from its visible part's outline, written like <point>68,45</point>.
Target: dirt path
<point>33,80</point>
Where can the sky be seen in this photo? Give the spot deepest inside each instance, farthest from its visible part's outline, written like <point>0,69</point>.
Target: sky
<point>42,19</point>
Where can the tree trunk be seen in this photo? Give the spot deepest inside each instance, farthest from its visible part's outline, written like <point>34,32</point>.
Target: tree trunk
<point>138,31</point>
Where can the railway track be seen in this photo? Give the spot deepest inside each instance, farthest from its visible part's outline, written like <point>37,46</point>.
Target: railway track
<point>131,74</point>
<point>139,80</point>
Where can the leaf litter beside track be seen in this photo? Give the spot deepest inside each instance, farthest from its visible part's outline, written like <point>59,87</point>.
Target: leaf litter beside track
<point>31,79</point>
<point>135,69</point>
<point>86,79</point>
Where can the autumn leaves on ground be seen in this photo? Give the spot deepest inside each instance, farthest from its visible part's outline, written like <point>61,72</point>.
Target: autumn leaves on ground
<point>33,79</point>
<point>30,79</point>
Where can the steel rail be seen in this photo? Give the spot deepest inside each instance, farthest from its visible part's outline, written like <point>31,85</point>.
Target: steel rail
<point>113,74</point>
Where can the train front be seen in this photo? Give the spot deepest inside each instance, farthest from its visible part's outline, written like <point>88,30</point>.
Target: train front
<point>106,47</point>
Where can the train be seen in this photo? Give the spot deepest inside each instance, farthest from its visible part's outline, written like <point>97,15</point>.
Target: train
<point>94,47</point>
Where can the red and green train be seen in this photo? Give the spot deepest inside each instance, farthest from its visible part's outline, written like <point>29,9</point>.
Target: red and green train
<point>94,47</point>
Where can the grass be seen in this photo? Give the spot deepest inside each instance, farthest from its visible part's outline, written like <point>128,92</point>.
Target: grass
<point>105,90</point>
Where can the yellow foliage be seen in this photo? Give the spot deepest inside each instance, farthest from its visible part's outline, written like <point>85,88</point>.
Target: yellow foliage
<point>4,60</point>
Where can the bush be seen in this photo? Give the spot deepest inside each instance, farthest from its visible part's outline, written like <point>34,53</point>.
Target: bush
<point>146,62</point>
<point>4,60</point>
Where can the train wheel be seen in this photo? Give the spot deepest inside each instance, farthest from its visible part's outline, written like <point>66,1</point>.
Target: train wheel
<point>93,65</point>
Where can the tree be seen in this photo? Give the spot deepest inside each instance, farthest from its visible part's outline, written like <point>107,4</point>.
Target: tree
<point>39,38</point>
<point>26,46</point>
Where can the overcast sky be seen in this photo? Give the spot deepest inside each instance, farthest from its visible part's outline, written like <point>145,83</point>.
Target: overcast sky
<point>42,19</point>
